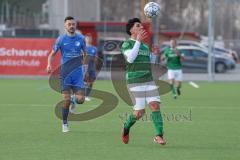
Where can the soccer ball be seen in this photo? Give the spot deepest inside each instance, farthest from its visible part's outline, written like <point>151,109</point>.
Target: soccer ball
<point>151,9</point>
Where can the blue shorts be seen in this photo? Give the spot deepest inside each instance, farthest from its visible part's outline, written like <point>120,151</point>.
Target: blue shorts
<point>73,80</point>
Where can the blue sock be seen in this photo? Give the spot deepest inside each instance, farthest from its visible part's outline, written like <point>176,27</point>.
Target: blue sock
<point>65,112</point>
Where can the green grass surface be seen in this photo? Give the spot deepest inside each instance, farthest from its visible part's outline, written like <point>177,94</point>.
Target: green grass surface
<point>29,130</point>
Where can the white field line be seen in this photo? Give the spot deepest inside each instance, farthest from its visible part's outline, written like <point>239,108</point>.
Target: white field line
<point>194,84</point>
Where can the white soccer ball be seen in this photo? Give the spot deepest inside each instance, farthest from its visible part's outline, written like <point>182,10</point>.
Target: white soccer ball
<point>151,9</point>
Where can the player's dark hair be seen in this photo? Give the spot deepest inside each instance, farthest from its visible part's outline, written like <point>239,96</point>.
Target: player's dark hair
<point>130,24</point>
<point>68,18</point>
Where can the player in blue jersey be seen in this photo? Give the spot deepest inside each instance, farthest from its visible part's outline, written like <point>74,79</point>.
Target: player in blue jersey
<point>72,47</point>
<point>90,74</point>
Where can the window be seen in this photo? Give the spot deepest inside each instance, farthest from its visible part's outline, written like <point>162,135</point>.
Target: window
<point>187,53</point>
<point>198,53</point>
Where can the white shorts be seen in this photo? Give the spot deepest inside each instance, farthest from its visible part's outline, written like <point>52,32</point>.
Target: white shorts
<point>175,74</point>
<point>143,92</point>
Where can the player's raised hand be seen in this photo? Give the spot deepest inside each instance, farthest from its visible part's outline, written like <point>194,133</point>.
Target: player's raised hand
<point>141,35</point>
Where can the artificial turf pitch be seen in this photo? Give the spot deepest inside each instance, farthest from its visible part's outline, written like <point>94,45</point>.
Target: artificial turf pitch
<point>201,124</point>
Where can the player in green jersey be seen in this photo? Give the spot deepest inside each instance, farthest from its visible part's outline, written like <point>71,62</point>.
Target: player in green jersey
<point>174,65</point>
<point>141,86</point>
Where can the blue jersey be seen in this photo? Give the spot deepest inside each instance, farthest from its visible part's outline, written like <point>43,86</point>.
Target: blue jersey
<point>91,52</point>
<point>70,46</point>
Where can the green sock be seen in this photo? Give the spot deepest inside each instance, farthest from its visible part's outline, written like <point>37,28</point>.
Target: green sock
<point>173,89</point>
<point>130,122</point>
<point>158,122</point>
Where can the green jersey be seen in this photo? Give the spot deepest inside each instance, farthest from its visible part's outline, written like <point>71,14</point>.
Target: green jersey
<point>140,70</point>
<point>173,60</point>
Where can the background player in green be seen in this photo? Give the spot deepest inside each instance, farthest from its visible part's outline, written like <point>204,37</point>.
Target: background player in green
<point>174,65</point>
<point>140,82</point>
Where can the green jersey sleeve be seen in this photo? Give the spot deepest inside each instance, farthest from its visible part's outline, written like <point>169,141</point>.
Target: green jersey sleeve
<point>125,46</point>
<point>165,53</point>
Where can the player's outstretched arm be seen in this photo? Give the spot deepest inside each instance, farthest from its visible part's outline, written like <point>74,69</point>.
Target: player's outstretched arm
<point>50,59</point>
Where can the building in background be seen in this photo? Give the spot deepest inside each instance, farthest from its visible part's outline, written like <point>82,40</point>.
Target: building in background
<point>83,10</point>
<point>49,14</point>
<point>44,18</point>
<point>44,14</point>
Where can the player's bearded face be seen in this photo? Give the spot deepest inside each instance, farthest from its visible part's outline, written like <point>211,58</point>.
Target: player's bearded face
<point>70,26</point>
